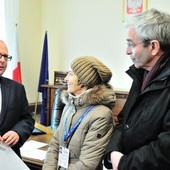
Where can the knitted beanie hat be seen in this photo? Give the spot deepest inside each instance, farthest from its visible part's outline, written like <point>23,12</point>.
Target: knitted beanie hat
<point>91,71</point>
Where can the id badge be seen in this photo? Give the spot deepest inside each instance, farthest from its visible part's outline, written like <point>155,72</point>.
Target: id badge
<point>63,157</point>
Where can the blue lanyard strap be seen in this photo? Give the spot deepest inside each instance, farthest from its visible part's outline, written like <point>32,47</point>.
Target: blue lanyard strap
<point>74,127</point>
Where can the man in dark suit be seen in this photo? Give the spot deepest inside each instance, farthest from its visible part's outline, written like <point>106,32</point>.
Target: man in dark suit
<point>16,122</point>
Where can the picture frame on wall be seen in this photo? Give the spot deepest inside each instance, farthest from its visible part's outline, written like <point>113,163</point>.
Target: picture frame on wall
<point>132,7</point>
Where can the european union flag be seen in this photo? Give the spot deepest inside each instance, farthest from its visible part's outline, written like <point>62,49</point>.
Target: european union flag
<point>43,79</point>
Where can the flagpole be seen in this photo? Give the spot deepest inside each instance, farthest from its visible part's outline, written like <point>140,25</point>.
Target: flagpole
<point>36,104</point>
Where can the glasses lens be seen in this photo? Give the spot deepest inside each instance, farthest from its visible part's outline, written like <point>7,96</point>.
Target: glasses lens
<point>6,57</point>
<point>9,58</point>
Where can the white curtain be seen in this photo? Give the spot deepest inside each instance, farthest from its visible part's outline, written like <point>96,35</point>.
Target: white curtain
<point>11,11</point>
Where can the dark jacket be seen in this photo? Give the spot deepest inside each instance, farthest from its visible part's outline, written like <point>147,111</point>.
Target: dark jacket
<point>15,113</point>
<point>143,135</point>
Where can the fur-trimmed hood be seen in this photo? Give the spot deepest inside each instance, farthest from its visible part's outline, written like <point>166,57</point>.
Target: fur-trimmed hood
<point>98,95</point>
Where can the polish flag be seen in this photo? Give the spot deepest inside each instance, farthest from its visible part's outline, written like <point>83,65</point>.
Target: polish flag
<point>16,70</point>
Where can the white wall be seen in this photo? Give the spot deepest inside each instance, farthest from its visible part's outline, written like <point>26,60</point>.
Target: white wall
<point>90,27</point>
<point>30,45</point>
<point>75,27</point>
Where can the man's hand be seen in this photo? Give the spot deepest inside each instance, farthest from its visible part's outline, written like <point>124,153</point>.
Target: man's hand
<point>115,158</point>
<point>10,138</point>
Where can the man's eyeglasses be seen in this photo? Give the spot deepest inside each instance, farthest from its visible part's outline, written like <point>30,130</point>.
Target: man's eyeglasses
<point>6,57</point>
<point>132,45</point>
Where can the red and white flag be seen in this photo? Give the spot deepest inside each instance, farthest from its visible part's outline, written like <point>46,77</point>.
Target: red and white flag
<point>16,70</point>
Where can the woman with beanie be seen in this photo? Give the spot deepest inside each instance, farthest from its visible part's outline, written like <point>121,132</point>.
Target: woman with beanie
<point>87,123</point>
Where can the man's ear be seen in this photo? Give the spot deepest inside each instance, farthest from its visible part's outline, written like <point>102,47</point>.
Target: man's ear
<point>155,45</point>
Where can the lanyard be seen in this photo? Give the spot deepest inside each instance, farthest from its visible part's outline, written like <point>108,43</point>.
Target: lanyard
<point>74,127</point>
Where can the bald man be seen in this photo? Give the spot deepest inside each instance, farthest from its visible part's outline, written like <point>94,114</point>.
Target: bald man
<point>16,122</point>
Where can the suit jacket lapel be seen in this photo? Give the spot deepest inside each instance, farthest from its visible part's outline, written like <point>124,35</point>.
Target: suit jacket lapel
<point>5,88</point>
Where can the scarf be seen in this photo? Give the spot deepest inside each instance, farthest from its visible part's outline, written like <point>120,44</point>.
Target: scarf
<point>157,68</point>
